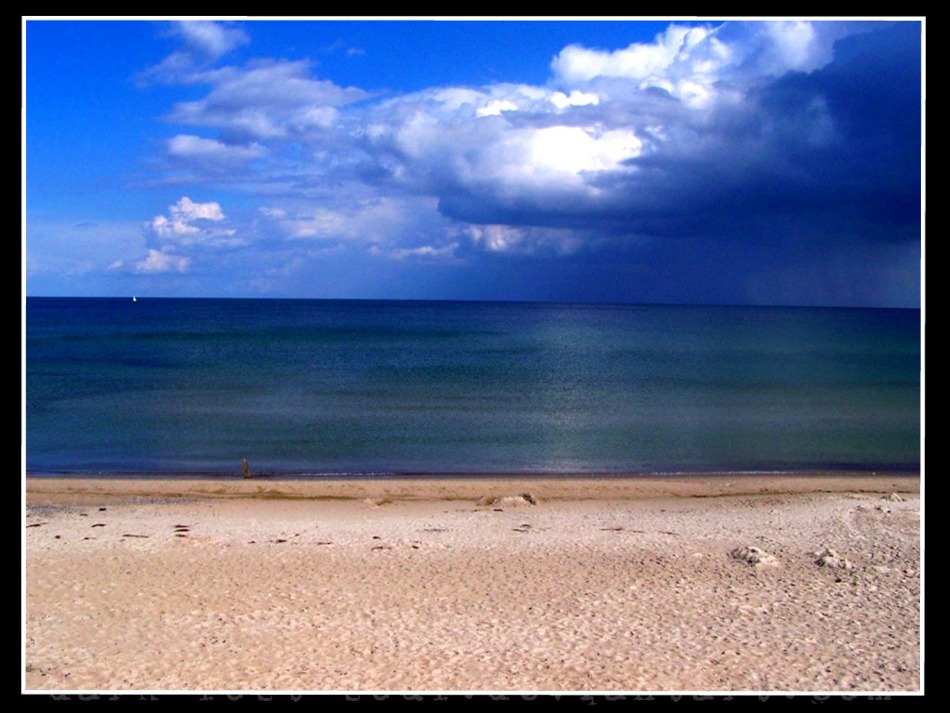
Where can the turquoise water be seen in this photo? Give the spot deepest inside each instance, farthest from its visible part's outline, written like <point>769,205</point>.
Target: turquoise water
<point>332,387</point>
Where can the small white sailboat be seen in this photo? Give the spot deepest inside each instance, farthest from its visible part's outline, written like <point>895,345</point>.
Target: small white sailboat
<point>133,298</point>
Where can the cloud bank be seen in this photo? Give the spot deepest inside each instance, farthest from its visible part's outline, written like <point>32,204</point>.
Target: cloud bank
<point>764,160</point>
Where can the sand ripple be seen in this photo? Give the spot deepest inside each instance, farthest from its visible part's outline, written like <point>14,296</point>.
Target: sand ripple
<point>607,594</point>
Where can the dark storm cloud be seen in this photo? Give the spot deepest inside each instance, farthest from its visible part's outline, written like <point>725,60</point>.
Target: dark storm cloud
<point>834,151</point>
<point>769,162</point>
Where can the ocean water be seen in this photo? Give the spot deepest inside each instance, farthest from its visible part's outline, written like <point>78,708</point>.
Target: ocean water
<point>318,387</point>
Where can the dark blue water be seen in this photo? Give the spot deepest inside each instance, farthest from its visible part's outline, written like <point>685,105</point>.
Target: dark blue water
<point>301,386</point>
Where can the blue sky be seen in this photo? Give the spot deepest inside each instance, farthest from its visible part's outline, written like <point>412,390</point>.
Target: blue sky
<point>612,161</point>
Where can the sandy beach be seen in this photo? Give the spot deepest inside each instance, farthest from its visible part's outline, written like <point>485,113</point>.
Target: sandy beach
<point>715,583</point>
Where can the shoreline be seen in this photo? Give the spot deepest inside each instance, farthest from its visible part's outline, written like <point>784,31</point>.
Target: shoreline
<point>843,471</point>
<point>452,487</point>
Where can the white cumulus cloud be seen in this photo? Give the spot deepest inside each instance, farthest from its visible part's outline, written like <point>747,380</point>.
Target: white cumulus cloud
<point>187,223</point>
<point>266,100</point>
<point>699,65</point>
<point>576,64</point>
<point>158,261</point>
<point>209,38</point>
<point>195,147</point>
<point>423,252</point>
<point>186,209</point>
<point>360,220</point>
<point>575,98</point>
<point>203,42</point>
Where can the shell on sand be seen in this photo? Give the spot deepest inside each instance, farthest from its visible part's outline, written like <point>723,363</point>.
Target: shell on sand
<point>508,500</point>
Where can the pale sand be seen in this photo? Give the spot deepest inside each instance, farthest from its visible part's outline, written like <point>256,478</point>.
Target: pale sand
<point>605,585</point>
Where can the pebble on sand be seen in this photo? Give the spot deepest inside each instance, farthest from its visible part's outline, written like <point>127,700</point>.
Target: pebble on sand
<point>827,557</point>
<point>754,556</point>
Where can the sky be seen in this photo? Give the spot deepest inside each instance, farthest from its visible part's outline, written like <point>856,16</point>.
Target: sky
<point>688,161</point>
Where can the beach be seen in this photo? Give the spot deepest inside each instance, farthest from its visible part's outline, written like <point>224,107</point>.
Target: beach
<point>679,583</point>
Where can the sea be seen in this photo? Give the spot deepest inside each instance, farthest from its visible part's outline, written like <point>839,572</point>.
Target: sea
<point>334,388</point>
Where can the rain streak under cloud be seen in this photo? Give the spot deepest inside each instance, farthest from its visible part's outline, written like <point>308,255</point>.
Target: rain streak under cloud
<point>743,162</point>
